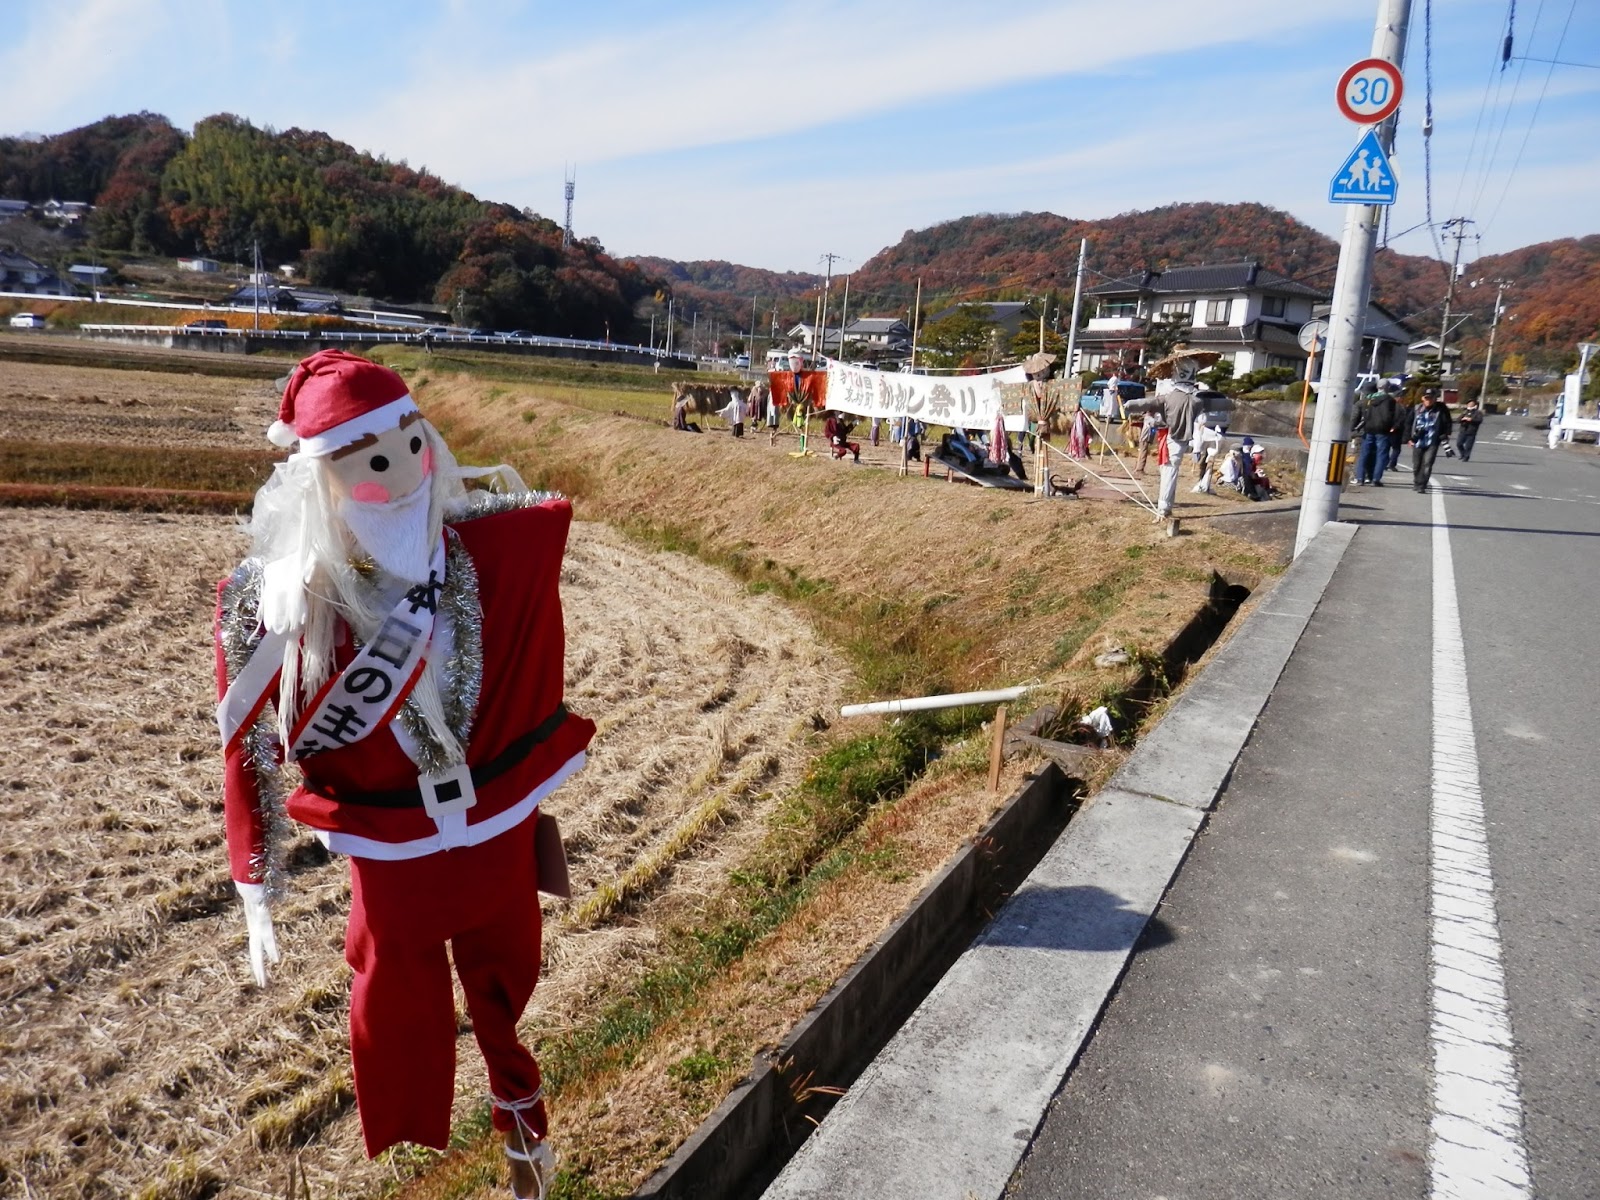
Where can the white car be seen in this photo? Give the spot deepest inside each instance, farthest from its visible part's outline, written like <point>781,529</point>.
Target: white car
<point>27,321</point>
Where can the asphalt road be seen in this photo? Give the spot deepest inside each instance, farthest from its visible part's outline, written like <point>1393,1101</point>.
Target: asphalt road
<point>1278,1037</point>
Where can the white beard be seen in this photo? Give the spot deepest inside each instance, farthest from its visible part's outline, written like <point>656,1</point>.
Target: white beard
<point>396,533</point>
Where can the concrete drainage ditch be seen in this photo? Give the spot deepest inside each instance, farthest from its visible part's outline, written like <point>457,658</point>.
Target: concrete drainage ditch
<point>741,1147</point>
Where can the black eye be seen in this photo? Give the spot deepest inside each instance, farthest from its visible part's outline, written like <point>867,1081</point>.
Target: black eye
<point>379,463</point>
<point>416,445</point>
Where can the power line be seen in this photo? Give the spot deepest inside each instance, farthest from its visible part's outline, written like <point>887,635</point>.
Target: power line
<point>1483,106</point>
<point>1427,128</point>
<point>1561,62</point>
<point>1527,133</point>
<point>1505,117</point>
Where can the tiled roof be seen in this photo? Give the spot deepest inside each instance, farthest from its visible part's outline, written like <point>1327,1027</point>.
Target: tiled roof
<point>999,310</point>
<point>1208,337</point>
<point>1214,277</point>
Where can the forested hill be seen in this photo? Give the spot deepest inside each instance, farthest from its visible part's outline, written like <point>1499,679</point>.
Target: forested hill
<point>351,221</point>
<point>732,294</point>
<point>365,225</point>
<point>1555,295</point>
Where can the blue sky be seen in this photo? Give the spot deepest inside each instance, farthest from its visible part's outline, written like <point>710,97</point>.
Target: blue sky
<point>768,134</point>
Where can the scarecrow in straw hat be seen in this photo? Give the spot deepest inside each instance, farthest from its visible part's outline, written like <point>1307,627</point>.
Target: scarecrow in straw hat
<point>408,635</point>
<point>1175,400</point>
<point>1043,407</point>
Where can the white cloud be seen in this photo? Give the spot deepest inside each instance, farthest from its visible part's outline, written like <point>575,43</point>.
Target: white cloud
<point>67,54</point>
<point>709,79</point>
<point>697,211</point>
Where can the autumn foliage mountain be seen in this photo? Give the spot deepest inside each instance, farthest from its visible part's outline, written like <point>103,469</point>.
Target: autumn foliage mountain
<point>351,221</point>
<point>738,297</point>
<point>1554,300</point>
<point>366,225</point>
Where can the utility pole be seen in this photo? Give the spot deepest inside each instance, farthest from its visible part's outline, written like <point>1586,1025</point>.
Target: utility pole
<point>822,315</point>
<point>1500,286</point>
<point>750,347</point>
<point>670,300</point>
<point>916,322</point>
<point>844,312</point>
<point>1077,303</point>
<point>1459,226</point>
<point>905,426</point>
<point>1352,287</point>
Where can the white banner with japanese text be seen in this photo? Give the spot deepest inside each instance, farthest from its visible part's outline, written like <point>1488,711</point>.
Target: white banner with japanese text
<point>959,401</point>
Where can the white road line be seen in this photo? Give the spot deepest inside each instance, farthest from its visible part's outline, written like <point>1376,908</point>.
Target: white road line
<point>1477,1150</point>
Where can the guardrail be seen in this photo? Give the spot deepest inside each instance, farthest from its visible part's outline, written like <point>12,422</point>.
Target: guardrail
<point>409,335</point>
<point>245,341</point>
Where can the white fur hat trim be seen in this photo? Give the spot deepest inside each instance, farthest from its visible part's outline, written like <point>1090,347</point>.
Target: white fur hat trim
<point>377,420</point>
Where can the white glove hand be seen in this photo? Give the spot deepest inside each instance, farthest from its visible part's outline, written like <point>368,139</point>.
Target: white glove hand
<point>258,920</point>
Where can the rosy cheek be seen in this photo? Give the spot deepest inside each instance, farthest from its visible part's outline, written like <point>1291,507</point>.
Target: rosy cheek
<point>370,493</point>
<point>427,462</point>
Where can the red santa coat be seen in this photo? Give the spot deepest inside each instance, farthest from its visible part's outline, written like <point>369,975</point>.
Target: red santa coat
<point>517,558</point>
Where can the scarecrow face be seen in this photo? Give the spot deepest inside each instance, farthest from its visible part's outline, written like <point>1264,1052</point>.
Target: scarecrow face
<point>382,467</point>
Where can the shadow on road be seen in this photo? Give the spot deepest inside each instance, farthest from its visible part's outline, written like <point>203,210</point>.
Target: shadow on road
<point>1078,918</point>
<point>1453,526</point>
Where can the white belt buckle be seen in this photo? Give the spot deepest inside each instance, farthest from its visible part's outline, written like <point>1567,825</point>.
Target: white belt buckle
<point>447,792</point>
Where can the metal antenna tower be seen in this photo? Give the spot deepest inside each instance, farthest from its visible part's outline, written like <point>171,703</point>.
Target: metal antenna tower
<point>572,186</point>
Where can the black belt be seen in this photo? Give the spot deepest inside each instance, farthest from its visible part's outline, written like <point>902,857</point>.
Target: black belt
<point>481,774</point>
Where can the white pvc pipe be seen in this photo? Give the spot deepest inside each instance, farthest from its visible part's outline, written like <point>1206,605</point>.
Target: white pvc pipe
<point>921,703</point>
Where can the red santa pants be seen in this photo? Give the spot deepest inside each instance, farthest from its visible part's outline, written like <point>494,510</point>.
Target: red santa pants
<point>484,901</point>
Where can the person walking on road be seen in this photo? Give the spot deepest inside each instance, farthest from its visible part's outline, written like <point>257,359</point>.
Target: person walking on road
<point>1467,429</point>
<point>1375,419</point>
<point>1404,413</point>
<point>1429,430</point>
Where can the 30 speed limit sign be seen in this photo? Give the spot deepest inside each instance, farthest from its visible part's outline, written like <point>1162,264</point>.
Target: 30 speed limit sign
<point>1369,91</point>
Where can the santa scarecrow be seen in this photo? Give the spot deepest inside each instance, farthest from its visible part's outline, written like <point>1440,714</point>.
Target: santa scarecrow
<point>407,634</point>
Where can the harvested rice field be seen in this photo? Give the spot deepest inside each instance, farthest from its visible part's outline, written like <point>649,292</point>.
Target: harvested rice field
<point>50,403</point>
<point>137,1053</point>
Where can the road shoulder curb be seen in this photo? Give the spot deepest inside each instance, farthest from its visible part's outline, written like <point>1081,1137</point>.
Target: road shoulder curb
<point>953,1101</point>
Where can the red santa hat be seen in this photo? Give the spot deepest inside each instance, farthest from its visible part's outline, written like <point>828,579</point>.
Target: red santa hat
<point>335,398</point>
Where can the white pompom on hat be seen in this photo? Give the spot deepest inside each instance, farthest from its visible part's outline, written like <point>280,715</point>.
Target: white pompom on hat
<point>334,398</point>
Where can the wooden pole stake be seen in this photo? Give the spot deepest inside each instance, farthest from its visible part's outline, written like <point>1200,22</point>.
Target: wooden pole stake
<point>996,751</point>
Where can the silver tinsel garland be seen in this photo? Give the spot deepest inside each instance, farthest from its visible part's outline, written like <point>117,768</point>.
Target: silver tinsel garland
<point>460,685</point>
<point>462,677</point>
<point>240,633</point>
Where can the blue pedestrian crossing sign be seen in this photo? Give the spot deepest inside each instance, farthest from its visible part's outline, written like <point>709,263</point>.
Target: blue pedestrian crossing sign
<point>1366,176</point>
